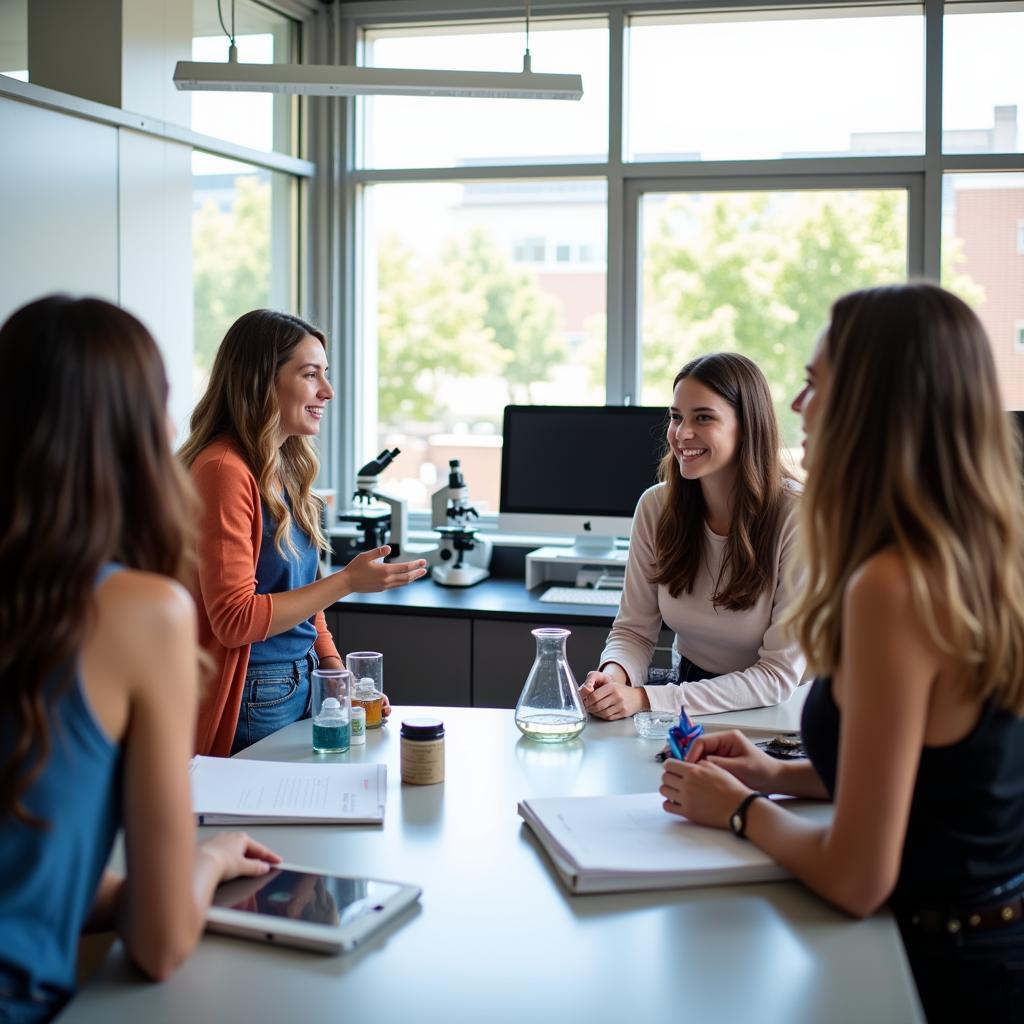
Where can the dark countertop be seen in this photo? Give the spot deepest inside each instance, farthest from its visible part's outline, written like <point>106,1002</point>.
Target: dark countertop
<point>491,599</point>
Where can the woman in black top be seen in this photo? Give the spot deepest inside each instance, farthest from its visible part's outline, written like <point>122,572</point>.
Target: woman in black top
<point>913,617</point>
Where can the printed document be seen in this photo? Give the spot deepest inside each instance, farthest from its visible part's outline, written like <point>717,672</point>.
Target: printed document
<point>229,791</point>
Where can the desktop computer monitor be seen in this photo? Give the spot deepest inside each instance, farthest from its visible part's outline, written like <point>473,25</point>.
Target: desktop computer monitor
<point>578,470</point>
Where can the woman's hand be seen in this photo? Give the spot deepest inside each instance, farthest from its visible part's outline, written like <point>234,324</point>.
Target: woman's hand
<point>367,574</point>
<point>385,707</point>
<point>604,696</point>
<point>735,753</point>
<point>234,854</point>
<point>701,791</point>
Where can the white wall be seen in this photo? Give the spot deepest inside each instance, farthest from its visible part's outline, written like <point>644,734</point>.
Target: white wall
<point>99,210</point>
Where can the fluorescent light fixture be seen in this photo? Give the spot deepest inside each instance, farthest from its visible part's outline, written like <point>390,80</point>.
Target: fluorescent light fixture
<point>346,80</point>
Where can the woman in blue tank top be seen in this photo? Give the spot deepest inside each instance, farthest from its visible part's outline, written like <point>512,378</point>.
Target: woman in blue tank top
<point>913,617</point>
<point>98,658</point>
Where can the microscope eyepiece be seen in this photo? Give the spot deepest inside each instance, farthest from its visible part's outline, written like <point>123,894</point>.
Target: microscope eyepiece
<point>377,466</point>
<point>455,478</point>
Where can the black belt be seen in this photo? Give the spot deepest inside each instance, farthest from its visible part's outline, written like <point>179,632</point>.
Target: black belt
<point>998,908</point>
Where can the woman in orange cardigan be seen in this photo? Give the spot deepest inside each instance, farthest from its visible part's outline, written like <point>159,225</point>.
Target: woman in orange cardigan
<point>252,459</point>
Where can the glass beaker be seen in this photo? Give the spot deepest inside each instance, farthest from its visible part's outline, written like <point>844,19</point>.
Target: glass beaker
<point>331,707</point>
<point>368,669</point>
<point>549,707</point>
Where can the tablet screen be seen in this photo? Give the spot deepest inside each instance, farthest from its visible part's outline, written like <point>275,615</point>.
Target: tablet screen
<point>305,896</point>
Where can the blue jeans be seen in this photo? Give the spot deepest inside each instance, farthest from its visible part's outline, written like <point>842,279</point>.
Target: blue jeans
<point>275,695</point>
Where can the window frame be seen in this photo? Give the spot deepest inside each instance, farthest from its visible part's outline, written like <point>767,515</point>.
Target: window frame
<point>921,175</point>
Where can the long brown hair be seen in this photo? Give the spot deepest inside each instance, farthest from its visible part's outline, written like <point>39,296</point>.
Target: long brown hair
<point>912,449</point>
<point>240,404</point>
<point>88,478</point>
<point>759,502</point>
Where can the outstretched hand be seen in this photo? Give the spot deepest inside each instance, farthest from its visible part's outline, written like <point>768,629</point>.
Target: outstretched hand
<point>367,573</point>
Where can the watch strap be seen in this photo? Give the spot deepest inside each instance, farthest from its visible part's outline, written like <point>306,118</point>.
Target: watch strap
<point>738,818</point>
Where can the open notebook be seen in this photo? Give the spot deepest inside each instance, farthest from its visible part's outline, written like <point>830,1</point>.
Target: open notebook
<point>628,843</point>
<point>230,791</point>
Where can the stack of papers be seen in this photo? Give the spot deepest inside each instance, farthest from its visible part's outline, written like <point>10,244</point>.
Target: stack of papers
<point>628,843</point>
<point>226,791</point>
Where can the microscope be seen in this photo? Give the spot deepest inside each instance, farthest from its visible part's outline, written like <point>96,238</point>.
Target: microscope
<point>380,518</point>
<point>462,558</point>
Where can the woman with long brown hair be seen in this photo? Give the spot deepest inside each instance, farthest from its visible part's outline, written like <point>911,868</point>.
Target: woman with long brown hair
<point>709,555</point>
<point>913,618</point>
<point>98,658</point>
<point>252,458</point>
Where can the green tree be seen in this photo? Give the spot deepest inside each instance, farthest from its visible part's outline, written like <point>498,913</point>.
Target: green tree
<point>230,264</point>
<point>750,274</point>
<point>468,314</point>
<point>428,330</point>
<point>523,319</point>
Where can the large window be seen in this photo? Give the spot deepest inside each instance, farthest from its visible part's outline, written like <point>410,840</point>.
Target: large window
<point>984,263</point>
<point>755,272</point>
<point>740,86</point>
<point>496,298</point>
<point>727,176</point>
<point>423,132</point>
<point>244,252</point>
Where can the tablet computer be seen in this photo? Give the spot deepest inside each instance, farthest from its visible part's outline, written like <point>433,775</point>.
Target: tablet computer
<point>297,906</point>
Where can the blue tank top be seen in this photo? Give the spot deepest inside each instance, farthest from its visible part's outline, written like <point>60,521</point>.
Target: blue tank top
<point>276,573</point>
<point>48,877</point>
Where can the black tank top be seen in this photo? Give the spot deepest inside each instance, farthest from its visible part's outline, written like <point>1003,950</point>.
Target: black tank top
<point>965,834</point>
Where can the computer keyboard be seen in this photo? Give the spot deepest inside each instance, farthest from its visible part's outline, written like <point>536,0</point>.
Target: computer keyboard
<point>582,595</point>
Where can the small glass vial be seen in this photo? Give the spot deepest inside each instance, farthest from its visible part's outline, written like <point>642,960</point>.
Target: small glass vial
<point>423,751</point>
<point>358,726</point>
<point>366,696</point>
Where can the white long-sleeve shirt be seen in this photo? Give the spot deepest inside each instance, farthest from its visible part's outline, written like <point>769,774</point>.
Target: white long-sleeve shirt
<point>753,660</point>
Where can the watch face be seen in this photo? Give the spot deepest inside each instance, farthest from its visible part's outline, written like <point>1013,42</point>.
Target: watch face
<point>737,823</point>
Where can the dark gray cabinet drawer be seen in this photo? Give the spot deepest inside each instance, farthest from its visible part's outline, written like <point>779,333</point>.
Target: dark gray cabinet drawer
<point>426,658</point>
<point>503,654</point>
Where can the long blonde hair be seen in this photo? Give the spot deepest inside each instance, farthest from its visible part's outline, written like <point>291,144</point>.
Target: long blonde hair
<point>240,404</point>
<point>761,500</point>
<point>912,450</point>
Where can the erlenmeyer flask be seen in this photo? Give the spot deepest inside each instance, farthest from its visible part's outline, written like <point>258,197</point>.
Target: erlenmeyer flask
<point>549,707</point>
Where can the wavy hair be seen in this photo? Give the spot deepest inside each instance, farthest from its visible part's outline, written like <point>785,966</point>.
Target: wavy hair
<point>920,456</point>
<point>88,478</point>
<point>759,502</point>
<point>240,403</point>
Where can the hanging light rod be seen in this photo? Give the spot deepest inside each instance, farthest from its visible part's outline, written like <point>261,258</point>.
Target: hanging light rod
<point>346,80</point>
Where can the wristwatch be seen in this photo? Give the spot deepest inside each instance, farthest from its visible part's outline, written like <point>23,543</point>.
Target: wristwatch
<point>738,818</point>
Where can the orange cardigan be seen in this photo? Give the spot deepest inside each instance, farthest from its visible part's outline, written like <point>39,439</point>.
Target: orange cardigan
<point>232,616</point>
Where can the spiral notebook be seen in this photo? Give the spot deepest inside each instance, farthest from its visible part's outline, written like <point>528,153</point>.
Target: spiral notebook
<point>628,843</point>
<point>230,791</point>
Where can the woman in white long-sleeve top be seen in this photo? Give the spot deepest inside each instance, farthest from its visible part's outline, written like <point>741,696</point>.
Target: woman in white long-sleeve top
<point>710,555</point>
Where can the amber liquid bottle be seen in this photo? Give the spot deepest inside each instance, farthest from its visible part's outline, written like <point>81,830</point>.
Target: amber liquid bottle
<point>371,700</point>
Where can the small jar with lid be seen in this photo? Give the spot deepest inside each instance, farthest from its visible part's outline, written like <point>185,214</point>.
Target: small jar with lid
<point>423,751</point>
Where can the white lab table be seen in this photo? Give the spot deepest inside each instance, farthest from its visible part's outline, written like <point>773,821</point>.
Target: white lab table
<point>496,937</point>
